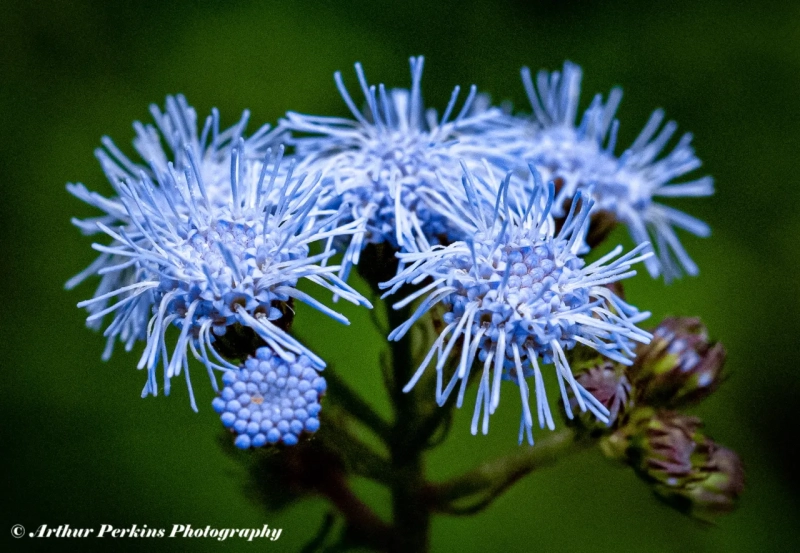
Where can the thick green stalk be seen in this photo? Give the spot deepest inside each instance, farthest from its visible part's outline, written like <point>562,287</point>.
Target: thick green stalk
<point>410,511</point>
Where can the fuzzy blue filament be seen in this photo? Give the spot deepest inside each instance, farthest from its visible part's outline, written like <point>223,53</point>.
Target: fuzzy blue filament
<point>200,259</point>
<point>517,294</point>
<point>379,165</point>
<point>578,153</point>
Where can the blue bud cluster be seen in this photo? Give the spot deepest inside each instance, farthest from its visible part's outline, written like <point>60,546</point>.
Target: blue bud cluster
<point>271,399</point>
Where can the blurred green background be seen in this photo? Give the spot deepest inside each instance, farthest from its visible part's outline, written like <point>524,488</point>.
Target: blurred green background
<point>81,447</point>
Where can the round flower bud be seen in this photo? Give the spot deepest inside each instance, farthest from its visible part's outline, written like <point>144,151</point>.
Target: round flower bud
<point>685,468</point>
<point>262,413</point>
<point>679,367</point>
<point>663,445</point>
<point>606,381</point>
<point>718,483</point>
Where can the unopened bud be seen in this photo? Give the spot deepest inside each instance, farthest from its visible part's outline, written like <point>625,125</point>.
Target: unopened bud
<point>664,444</point>
<point>718,483</point>
<point>607,382</point>
<point>686,468</point>
<point>609,385</point>
<point>679,367</point>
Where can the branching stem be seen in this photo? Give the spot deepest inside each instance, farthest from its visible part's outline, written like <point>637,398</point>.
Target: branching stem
<point>477,489</point>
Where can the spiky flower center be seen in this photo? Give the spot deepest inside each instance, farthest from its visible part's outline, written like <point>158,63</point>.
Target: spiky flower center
<point>403,152</point>
<point>519,289</point>
<point>396,163</point>
<point>224,265</point>
<point>202,247</point>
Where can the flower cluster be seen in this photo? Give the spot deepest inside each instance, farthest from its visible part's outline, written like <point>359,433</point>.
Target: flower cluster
<point>487,215</point>
<point>208,252</point>
<point>515,293</point>
<point>383,164</point>
<point>667,449</point>
<point>579,155</point>
<point>207,154</point>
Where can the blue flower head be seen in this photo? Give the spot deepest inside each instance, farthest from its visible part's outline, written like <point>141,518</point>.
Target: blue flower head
<point>205,151</point>
<point>271,399</point>
<point>581,155</point>
<point>378,164</point>
<point>515,295</point>
<point>188,150</point>
<point>202,261</point>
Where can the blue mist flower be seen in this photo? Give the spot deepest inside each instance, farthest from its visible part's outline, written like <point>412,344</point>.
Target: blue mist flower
<point>205,265</point>
<point>271,399</point>
<point>515,295</point>
<point>188,150</point>
<point>378,164</point>
<point>581,155</point>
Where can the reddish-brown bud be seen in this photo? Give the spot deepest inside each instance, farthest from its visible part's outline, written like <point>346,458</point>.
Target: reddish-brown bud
<point>679,367</point>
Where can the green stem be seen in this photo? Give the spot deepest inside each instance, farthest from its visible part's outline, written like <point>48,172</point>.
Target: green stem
<point>477,489</point>
<point>411,514</point>
<point>435,420</point>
